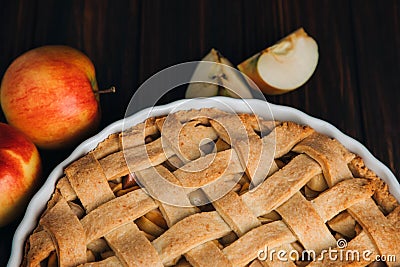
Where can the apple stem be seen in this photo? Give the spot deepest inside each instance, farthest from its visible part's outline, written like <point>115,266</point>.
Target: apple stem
<point>106,91</point>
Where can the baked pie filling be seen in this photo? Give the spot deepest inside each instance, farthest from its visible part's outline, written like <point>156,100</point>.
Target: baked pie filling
<point>209,188</point>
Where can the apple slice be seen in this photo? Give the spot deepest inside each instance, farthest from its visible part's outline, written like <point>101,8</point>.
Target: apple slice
<point>220,78</point>
<point>203,72</point>
<point>285,66</point>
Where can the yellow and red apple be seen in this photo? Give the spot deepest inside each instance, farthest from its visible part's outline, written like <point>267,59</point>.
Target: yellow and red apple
<point>50,94</point>
<point>20,168</point>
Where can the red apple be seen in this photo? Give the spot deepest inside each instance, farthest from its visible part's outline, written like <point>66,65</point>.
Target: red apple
<point>19,172</point>
<point>50,94</point>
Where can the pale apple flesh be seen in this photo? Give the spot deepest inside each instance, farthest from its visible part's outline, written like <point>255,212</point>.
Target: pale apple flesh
<point>49,94</point>
<point>203,73</point>
<point>20,168</point>
<point>284,66</point>
<point>218,79</point>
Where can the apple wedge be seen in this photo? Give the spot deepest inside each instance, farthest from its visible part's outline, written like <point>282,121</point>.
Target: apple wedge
<point>220,78</point>
<point>285,66</point>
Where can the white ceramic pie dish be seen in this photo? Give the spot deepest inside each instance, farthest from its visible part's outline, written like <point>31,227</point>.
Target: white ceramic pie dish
<point>282,113</point>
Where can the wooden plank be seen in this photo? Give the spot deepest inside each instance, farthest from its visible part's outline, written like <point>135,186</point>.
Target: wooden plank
<point>58,22</point>
<point>111,39</point>
<point>18,22</point>
<point>377,41</point>
<point>169,35</point>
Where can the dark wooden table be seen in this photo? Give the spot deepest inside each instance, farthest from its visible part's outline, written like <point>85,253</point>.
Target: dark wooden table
<point>356,85</point>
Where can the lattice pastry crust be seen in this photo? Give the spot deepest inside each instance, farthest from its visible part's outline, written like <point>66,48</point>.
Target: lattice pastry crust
<point>298,190</point>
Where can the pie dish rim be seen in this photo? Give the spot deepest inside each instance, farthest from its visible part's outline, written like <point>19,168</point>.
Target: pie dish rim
<point>280,112</point>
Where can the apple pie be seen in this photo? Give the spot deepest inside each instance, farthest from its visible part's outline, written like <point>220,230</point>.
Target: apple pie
<point>210,188</point>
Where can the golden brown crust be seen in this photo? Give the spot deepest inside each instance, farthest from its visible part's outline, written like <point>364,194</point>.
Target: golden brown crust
<point>362,242</point>
<point>209,168</point>
<point>131,246</point>
<point>301,202</point>
<point>97,223</point>
<point>382,196</point>
<point>114,165</point>
<point>386,201</point>
<point>116,212</point>
<point>342,196</point>
<point>386,237</point>
<point>68,234</point>
<point>162,189</point>
<point>207,254</point>
<point>41,245</point>
<point>108,146</point>
<point>344,224</point>
<point>112,261</point>
<point>66,189</point>
<point>330,154</point>
<point>189,233</point>
<point>280,186</point>
<point>89,182</point>
<point>136,135</point>
<point>300,215</point>
<point>236,213</point>
<point>186,139</point>
<point>288,135</point>
<point>240,132</point>
<point>245,249</point>
<point>359,169</point>
<point>143,157</point>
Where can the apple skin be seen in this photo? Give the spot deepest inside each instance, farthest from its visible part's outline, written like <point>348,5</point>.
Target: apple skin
<point>49,93</point>
<point>20,169</point>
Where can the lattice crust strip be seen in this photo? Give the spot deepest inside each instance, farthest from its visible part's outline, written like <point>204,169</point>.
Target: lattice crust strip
<point>286,187</point>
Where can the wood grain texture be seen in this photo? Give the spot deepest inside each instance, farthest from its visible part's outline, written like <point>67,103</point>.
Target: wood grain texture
<point>355,87</point>
<point>377,41</point>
